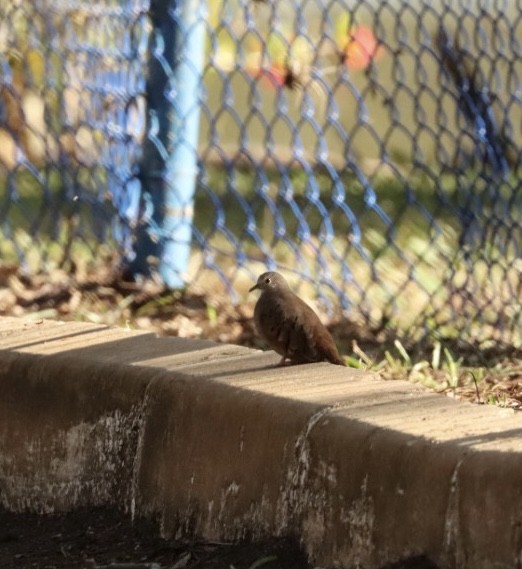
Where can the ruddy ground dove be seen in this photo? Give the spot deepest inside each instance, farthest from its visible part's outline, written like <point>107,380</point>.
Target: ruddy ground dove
<point>289,325</point>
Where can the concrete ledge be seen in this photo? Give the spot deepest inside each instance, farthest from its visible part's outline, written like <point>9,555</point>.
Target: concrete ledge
<point>215,442</point>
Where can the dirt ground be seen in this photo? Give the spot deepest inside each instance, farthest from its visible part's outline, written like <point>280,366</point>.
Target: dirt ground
<point>99,538</point>
<point>105,539</point>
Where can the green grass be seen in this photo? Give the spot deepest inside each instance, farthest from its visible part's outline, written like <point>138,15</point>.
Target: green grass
<point>497,384</point>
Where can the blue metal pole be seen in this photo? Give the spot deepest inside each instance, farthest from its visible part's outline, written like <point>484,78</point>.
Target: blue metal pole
<point>169,163</point>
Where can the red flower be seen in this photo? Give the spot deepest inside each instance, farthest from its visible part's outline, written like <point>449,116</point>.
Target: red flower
<point>361,48</point>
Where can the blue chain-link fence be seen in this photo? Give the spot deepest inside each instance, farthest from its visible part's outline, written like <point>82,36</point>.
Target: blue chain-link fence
<point>369,150</point>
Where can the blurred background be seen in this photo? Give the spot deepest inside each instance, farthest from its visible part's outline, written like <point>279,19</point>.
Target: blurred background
<point>368,150</point>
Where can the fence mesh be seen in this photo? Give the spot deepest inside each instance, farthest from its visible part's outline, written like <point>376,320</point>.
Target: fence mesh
<point>368,150</point>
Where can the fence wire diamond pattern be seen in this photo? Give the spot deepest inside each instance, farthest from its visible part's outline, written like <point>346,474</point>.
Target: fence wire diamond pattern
<point>368,150</point>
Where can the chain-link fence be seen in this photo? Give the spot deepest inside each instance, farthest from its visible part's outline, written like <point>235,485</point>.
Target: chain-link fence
<point>369,150</point>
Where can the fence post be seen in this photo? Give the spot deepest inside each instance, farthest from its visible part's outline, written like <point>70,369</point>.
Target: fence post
<point>169,162</point>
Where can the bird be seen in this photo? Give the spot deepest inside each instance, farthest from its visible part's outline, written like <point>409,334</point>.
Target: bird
<point>289,326</point>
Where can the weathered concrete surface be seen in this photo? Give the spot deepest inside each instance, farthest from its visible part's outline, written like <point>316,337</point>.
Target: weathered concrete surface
<point>216,442</point>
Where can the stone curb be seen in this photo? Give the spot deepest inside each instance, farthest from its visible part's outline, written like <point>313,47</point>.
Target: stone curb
<point>215,442</point>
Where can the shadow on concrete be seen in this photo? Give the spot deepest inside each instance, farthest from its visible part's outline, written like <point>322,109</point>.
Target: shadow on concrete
<point>133,349</point>
<point>62,337</point>
<point>219,362</point>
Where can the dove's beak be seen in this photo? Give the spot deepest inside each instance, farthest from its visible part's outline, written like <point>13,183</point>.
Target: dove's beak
<point>255,287</point>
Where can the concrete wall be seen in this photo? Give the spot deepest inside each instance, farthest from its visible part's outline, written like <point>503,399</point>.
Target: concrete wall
<point>216,443</point>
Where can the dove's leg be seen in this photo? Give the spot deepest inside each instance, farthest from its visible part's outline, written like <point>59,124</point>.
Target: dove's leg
<point>282,362</point>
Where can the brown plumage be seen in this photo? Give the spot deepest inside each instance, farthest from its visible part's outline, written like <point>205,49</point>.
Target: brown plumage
<point>289,325</point>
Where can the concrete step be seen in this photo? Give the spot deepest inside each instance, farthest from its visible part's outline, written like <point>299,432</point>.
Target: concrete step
<point>217,443</point>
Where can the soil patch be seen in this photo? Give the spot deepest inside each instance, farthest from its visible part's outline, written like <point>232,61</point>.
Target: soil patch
<point>101,539</point>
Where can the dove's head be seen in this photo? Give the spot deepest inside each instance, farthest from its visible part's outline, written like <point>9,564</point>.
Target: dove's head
<point>270,281</point>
